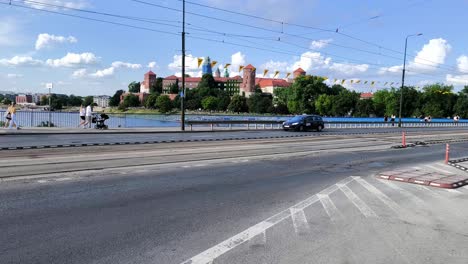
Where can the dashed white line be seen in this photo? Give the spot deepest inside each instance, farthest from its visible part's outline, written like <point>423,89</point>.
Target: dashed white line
<point>329,207</point>
<point>404,192</point>
<point>382,197</point>
<point>301,226</point>
<point>360,204</point>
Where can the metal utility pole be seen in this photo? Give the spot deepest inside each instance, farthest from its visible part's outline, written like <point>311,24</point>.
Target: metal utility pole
<point>49,86</point>
<point>182,93</point>
<point>403,77</point>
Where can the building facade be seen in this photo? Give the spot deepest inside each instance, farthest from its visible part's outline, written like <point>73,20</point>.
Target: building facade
<point>24,99</point>
<point>149,80</point>
<point>102,100</point>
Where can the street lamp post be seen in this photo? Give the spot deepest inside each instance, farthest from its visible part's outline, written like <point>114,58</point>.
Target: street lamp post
<point>403,77</point>
<point>49,86</point>
<point>183,94</point>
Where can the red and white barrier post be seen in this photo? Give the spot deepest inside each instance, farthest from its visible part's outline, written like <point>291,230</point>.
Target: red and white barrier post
<point>447,154</point>
<point>404,139</point>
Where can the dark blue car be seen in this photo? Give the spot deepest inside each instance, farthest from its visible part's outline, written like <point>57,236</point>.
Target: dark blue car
<point>304,123</point>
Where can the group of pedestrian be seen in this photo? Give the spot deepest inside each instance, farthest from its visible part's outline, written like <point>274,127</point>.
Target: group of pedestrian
<point>428,119</point>
<point>392,119</point>
<point>10,117</point>
<point>456,119</point>
<point>86,116</point>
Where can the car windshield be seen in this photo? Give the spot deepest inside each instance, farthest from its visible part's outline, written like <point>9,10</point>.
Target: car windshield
<point>296,119</point>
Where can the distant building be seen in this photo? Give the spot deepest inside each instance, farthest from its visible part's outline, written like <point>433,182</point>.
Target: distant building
<point>102,100</point>
<point>269,85</point>
<point>217,73</point>
<point>141,96</point>
<point>248,82</point>
<point>36,98</point>
<point>24,99</point>
<point>149,80</point>
<point>367,96</point>
<point>299,72</point>
<point>206,66</point>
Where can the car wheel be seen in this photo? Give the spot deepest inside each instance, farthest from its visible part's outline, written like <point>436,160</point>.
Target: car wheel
<point>301,128</point>
<point>319,128</point>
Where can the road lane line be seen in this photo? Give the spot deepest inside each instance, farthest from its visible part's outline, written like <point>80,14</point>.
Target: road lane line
<point>382,197</point>
<point>329,207</point>
<point>453,191</point>
<point>209,255</point>
<point>301,226</point>
<point>360,204</point>
<point>404,192</point>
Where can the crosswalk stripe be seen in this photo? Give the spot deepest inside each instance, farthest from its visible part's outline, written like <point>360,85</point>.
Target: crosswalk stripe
<point>299,220</point>
<point>329,207</point>
<point>382,197</point>
<point>404,192</point>
<point>360,204</point>
<point>438,169</point>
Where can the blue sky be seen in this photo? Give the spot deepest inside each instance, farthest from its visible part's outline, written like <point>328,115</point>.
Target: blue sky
<point>88,57</point>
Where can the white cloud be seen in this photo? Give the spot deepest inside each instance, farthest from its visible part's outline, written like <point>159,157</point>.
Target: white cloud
<point>14,75</point>
<point>20,61</point>
<point>427,60</point>
<point>462,63</point>
<point>103,73</point>
<point>79,73</point>
<point>320,44</point>
<point>311,60</point>
<point>457,79</point>
<point>190,73</point>
<point>45,40</point>
<point>349,69</point>
<point>153,65</point>
<point>238,59</point>
<point>191,63</point>
<point>275,65</point>
<point>8,32</point>
<point>120,64</point>
<point>74,60</point>
<point>57,4</point>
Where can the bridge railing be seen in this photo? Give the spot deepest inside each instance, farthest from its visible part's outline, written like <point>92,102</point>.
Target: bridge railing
<point>277,124</point>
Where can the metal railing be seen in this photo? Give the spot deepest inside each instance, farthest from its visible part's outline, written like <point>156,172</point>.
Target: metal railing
<point>125,120</point>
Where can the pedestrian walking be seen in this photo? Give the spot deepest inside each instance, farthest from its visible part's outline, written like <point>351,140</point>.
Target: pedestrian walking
<point>12,111</point>
<point>385,119</point>
<point>89,116</point>
<point>456,118</point>
<point>7,118</point>
<point>82,116</point>
<point>392,119</point>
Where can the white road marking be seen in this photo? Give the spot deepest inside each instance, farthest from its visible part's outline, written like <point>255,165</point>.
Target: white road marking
<point>329,207</point>
<point>209,255</point>
<point>299,220</point>
<point>42,181</point>
<point>63,179</point>
<point>438,169</point>
<point>382,197</point>
<point>360,204</point>
<point>404,192</point>
<point>453,191</point>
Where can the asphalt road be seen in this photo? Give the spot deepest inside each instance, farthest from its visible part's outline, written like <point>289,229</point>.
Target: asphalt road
<point>26,140</point>
<point>225,202</point>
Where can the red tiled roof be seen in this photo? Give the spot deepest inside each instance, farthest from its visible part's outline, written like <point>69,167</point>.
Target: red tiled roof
<point>249,67</point>
<point>300,70</point>
<point>367,95</point>
<point>150,73</point>
<point>268,82</point>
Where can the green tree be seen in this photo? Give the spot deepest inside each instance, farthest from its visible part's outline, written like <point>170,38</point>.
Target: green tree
<point>134,87</point>
<point>207,81</point>
<point>210,103</point>
<point>150,101</point>
<point>364,108</point>
<point>157,86</point>
<point>131,100</point>
<point>345,103</point>
<point>6,101</point>
<point>324,104</point>
<point>304,92</point>
<point>115,99</point>
<point>259,103</point>
<point>238,104</point>
<point>88,100</point>
<point>164,104</point>
<point>223,101</point>
<point>174,88</point>
<point>438,100</point>
<point>75,100</point>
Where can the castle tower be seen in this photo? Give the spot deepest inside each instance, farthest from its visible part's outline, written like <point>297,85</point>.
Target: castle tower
<point>226,73</point>
<point>206,67</point>
<point>248,82</point>
<point>217,73</point>
<point>150,79</point>
<point>299,72</point>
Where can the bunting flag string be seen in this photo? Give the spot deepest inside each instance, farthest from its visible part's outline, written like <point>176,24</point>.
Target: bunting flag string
<point>343,81</point>
<point>265,72</point>
<point>213,63</point>
<point>358,81</point>
<point>287,75</point>
<point>227,65</point>
<point>241,68</point>
<point>199,60</point>
<point>372,83</point>
<point>351,81</point>
<point>276,74</point>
